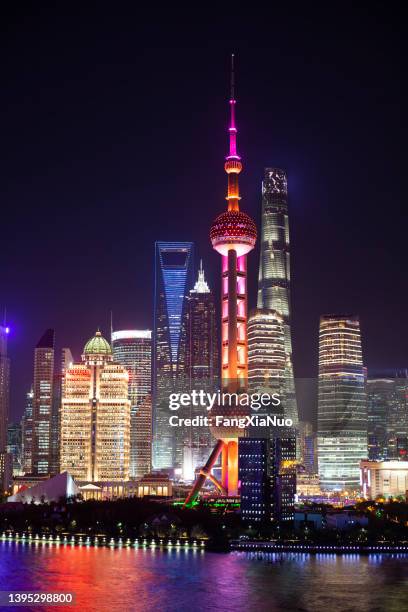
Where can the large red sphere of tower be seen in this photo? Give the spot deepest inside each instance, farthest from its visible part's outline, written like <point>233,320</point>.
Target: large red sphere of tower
<point>233,230</point>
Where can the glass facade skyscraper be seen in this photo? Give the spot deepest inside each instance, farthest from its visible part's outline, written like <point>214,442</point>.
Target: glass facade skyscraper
<point>174,265</point>
<point>342,404</point>
<point>4,390</point>
<point>42,404</point>
<point>133,350</point>
<point>58,390</point>
<point>268,478</point>
<point>308,447</point>
<point>14,446</point>
<point>266,351</point>
<point>397,422</point>
<point>381,403</point>
<point>27,433</point>
<point>274,269</point>
<point>203,368</point>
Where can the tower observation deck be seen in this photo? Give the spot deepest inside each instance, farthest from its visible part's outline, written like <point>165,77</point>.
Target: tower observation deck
<point>233,235</point>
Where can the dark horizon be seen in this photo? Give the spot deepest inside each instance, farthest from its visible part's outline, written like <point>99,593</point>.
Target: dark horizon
<point>114,136</point>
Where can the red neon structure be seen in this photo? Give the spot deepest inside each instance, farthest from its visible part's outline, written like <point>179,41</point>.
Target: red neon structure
<point>233,234</point>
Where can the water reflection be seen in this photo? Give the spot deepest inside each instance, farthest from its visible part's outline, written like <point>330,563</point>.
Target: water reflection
<point>143,579</point>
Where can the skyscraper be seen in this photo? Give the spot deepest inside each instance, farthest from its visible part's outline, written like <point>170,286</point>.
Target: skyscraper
<point>58,389</point>
<point>174,265</point>
<point>274,269</point>
<point>95,416</point>
<point>42,404</point>
<point>342,408</point>
<point>5,457</point>
<point>308,447</point>
<point>233,235</point>
<point>14,446</point>
<point>203,367</point>
<point>381,406</point>
<point>266,351</point>
<point>268,478</point>
<point>27,434</point>
<point>4,387</point>
<point>133,350</point>
<point>398,419</point>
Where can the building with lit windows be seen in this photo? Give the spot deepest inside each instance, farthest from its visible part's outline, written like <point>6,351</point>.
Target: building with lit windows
<point>308,447</point>
<point>267,471</point>
<point>397,419</point>
<point>95,417</point>
<point>133,350</point>
<point>384,479</point>
<point>274,269</point>
<point>174,265</point>
<point>4,404</point>
<point>342,403</point>
<point>266,351</point>
<point>42,404</point>
<point>203,368</point>
<point>14,447</point>
<point>154,485</point>
<point>381,400</point>
<point>66,361</point>
<point>27,434</point>
<point>387,412</point>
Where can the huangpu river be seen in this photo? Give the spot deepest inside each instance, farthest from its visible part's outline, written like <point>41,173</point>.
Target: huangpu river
<point>187,580</point>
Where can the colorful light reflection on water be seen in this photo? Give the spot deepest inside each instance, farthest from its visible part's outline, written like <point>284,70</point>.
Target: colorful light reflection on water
<point>144,580</point>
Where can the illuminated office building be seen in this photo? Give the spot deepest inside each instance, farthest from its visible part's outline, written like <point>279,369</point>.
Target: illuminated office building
<point>397,421</point>
<point>133,350</point>
<point>308,447</point>
<point>266,351</point>
<point>274,269</point>
<point>203,368</point>
<point>42,404</point>
<point>27,434</point>
<point>14,447</point>
<point>4,405</point>
<point>342,407</point>
<point>384,478</point>
<point>95,416</point>
<point>174,265</point>
<point>268,479</point>
<point>381,405</point>
<point>387,412</point>
<point>66,362</point>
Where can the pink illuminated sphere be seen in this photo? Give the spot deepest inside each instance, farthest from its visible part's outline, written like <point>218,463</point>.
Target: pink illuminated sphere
<point>233,230</point>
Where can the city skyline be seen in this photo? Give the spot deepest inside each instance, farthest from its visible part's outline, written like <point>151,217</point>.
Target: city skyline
<point>309,136</point>
<point>203,355</point>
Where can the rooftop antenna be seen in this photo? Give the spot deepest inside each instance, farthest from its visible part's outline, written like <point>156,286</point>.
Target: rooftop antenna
<point>232,77</point>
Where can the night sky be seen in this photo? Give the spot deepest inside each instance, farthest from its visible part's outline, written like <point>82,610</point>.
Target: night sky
<point>113,135</point>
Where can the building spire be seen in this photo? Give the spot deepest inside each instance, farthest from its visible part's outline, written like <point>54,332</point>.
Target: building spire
<point>232,78</point>
<point>233,165</point>
<point>201,285</point>
<point>232,128</point>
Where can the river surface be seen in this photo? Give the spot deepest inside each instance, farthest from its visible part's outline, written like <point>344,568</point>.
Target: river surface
<point>186,580</point>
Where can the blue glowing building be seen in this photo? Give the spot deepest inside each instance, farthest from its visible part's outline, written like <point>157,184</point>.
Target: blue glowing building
<point>174,268</point>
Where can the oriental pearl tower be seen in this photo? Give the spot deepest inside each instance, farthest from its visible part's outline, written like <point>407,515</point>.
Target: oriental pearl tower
<point>233,234</point>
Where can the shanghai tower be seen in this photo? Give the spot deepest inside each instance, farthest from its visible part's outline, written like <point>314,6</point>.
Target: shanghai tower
<point>274,269</point>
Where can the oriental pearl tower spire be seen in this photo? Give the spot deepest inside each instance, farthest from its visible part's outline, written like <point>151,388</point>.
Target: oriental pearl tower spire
<point>233,235</point>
